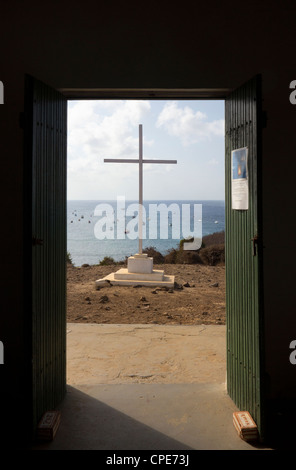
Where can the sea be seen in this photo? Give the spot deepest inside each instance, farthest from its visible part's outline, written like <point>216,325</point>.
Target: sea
<point>99,229</point>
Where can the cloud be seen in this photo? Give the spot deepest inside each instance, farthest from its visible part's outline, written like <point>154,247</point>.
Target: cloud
<point>97,130</point>
<point>109,129</point>
<point>189,126</point>
<point>103,129</point>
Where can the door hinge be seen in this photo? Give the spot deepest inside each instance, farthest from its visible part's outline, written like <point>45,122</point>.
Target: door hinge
<point>255,240</point>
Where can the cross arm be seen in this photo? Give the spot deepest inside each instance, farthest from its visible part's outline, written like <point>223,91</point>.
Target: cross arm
<point>133,160</point>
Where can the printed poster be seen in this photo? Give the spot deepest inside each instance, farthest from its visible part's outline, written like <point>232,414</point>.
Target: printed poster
<point>240,184</point>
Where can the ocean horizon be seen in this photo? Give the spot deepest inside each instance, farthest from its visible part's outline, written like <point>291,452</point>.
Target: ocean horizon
<point>84,226</point>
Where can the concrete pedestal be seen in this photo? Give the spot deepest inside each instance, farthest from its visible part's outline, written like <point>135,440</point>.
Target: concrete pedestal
<point>139,272</point>
<point>140,263</point>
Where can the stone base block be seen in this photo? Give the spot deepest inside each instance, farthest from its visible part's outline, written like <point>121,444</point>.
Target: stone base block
<point>152,280</point>
<point>124,274</point>
<point>140,263</point>
<point>139,272</point>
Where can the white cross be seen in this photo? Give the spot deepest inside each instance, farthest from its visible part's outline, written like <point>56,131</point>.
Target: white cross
<point>140,161</point>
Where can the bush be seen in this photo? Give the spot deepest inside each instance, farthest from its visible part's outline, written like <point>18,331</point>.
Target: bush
<point>171,257</point>
<point>68,258</point>
<point>212,251</point>
<point>188,257</point>
<point>182,256</point>
<point>158,258</point>
<point>107,261</point>
<point>213,254</point>
<point>217,238</point>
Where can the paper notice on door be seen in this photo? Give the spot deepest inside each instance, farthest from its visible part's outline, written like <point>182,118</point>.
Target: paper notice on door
<point>240,183</point>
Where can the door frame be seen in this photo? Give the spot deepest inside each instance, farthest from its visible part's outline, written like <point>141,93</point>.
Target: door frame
<point>113,94</point>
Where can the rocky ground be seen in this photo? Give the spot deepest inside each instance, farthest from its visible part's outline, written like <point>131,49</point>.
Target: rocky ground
<point>198,297</point>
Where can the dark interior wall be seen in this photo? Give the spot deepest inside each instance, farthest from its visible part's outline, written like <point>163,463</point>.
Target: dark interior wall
<point>279,230</point>
<point>12,315</point>
<point>131,44</point>
<point>141,45</point>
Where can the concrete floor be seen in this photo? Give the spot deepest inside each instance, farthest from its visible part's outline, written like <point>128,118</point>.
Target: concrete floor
<point>146,387</point>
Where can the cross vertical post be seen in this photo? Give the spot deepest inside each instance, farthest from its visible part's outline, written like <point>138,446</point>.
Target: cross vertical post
<point>140,161</point>
<point>140,189</point>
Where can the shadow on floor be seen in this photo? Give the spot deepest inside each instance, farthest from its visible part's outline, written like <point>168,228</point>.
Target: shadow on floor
<point>90,424</point>
<point>147,417</point>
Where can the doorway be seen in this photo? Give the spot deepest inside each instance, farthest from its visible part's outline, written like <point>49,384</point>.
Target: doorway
<point>242,130</point>
<point>193,133</point>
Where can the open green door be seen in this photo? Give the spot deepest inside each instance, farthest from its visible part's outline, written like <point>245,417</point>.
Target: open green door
<point>45,238</point>
<point>243,249</point>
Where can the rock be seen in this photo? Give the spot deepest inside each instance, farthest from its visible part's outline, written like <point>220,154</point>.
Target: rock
<point>216,284</point>
<point>104,299</point>
<point>186,284</point>
<point>85,265</point>
<point>170,291</point>
<point>178,286</point>
<point>103,283</point>
<point>205,313</point>
<point>143,299</point>
<point>87,299</point>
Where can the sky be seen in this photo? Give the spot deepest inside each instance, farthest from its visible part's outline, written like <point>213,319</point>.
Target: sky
<point>191,132</point>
